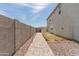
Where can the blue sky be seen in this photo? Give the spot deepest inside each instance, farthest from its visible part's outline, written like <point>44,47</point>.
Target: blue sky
<point>34,14</point>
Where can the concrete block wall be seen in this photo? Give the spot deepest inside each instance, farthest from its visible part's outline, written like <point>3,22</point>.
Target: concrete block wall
<point>6,36</point>
<point>23,33</point>
<point>13,34</point>
<point>33,30</point>
<point>44,29</point>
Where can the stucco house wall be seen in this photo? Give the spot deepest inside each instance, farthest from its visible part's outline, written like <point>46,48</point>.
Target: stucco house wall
<point>67,22</point>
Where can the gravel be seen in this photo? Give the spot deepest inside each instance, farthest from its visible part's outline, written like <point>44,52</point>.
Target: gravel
<point>22,51</point>
<point>65,48</point>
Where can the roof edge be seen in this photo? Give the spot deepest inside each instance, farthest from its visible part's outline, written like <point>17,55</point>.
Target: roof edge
<point>54,10</point>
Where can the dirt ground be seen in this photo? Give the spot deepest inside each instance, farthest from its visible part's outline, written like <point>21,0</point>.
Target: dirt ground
<point>62,48</point>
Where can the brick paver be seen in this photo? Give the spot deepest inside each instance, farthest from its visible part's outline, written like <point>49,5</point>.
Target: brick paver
<point>39,47</point>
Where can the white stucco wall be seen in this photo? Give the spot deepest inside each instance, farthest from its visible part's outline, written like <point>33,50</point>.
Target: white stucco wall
<point>68,20</point>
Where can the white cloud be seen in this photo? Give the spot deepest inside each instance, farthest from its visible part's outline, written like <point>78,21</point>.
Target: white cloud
<point>35,18</point>
<point>37,7</point>
<point>22,18</point>
<point>3,13</point>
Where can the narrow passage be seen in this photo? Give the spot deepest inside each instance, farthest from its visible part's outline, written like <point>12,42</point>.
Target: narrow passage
<point>39,47</point>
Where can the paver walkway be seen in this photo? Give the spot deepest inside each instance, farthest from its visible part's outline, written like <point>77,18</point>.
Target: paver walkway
<point>39,47</point>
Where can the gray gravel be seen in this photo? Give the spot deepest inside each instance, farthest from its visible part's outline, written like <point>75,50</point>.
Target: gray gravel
<point>62,48</point>
<point>22,51</point>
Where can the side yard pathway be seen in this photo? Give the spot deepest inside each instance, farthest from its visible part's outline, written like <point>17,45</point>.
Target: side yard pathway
<point>39,47</point>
